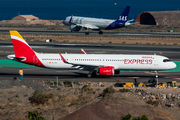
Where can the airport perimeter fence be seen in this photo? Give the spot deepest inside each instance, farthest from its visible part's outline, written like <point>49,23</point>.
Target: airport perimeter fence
<point>6,84</point>
<point>62,84</point>
<point>90,37</point>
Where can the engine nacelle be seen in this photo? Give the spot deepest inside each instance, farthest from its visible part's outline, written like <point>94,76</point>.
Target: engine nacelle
<point>75,28</point>
<point>106,71</point>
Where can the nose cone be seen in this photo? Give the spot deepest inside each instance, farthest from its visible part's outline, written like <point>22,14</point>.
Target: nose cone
<point>63,21</point>
<point>174,65</point>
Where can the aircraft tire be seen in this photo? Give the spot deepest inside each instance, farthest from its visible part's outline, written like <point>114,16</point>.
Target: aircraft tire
<point>100,32</point>
<point>93,74</point>
<point>89,75</point>
<point>86,33</point>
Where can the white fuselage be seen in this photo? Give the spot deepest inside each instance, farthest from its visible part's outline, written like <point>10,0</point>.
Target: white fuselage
<point>118,61</point>
<point>100,23</point>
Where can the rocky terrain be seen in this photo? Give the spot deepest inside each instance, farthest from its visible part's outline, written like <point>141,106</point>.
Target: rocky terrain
<point>98,101</point>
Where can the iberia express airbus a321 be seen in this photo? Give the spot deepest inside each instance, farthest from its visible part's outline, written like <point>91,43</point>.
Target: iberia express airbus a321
<point>102,64</point>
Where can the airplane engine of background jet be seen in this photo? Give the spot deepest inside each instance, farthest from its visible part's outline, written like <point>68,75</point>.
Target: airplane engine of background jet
<point>75,28</point>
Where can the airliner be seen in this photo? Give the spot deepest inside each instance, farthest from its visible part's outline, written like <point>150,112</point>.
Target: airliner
<point>96,64</point>
<point>76,22</point>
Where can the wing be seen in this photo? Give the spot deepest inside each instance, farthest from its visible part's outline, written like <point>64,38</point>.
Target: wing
<point>85,65</point>
<point>88,26</point>
<point>79,64</point>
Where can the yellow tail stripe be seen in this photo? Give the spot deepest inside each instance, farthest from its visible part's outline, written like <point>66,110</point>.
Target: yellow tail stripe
<point>15,33</point>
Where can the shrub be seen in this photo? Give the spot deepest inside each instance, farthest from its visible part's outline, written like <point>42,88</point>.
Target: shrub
<point>124,90</point>
<point>109,90</point>
<point>40,98</point>
<point>34,116</point>
<point>87,88</point>
<point>77,83</point>
<point>68,83</point>
<point>55,83</point>
<point>128,117</point>
<point>143,117</point>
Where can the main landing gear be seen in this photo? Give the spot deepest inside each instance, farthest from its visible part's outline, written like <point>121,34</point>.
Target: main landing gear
<point>86,33</point>
<point>92,74</point>
<point>100,32</point>
<point>156,78</point>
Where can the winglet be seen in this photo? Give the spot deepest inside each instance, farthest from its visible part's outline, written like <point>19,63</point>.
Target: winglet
<point>63,58</point>
<point>83,51</point>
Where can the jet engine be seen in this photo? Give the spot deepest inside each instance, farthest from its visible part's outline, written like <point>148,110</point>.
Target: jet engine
<point>75,28</point>
<point>106,71</point>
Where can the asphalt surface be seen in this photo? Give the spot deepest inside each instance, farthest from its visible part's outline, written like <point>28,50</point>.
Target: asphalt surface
<point>96,33</point>
<point>171,52</point>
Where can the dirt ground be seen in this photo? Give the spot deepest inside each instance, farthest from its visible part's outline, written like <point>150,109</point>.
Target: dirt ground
<point>78,103</point>
<point>98,39</point>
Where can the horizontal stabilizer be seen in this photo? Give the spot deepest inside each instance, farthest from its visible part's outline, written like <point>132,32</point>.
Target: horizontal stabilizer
<point>12,57</point>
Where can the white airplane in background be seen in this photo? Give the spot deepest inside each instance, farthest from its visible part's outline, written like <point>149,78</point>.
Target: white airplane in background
<point>102,64</point>
<point>76,22</point>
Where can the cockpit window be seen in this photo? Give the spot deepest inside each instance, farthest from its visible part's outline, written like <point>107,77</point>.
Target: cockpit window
<point>166,60</point>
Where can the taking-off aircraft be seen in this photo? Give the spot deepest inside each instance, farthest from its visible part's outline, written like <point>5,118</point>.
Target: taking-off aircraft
<point>76,22</point>
<point>102,64</point>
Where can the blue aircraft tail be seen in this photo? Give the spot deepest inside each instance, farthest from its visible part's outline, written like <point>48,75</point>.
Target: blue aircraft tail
<point>124,15</point>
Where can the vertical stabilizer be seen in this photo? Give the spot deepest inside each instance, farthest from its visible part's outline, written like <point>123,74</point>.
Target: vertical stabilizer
<point>124,15</point>
<point>21,47</point>
<point>23,52</point>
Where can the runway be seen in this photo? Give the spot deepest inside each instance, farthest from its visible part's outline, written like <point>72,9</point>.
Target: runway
<point>171,52</point>
<point>96,33</point>
<point>51,75</point>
